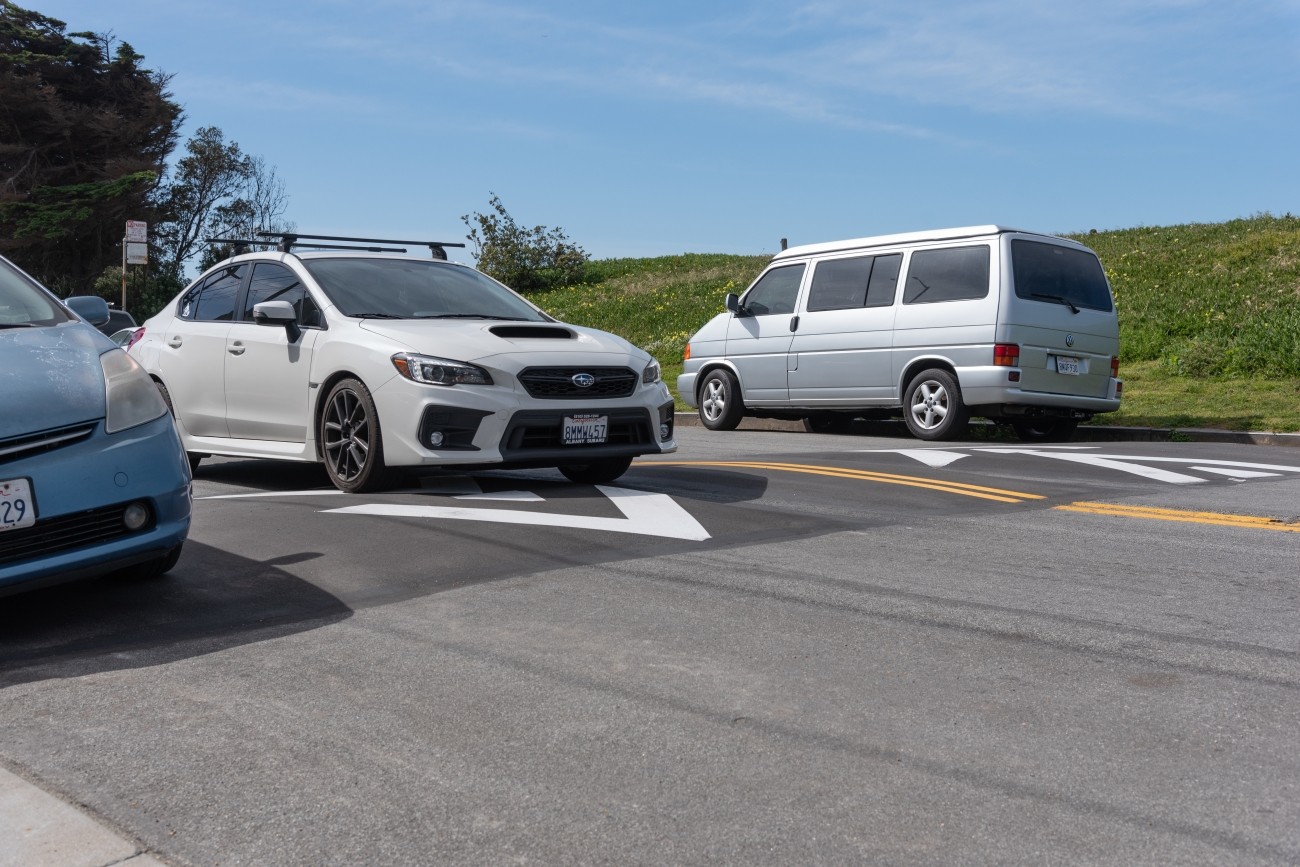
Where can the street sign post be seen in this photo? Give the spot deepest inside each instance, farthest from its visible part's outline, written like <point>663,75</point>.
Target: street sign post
<point>135,249</point>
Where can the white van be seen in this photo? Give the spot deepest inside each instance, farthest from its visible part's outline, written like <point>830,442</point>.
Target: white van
<point>1010,325</point>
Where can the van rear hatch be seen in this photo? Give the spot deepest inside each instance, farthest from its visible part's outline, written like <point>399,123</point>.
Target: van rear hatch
<point>1063,318</point>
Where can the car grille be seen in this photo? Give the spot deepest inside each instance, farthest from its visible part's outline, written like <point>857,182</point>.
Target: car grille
<point>532,432</point>
<point>29,444</point>
<point>65,533</point>
<point>556,383</point>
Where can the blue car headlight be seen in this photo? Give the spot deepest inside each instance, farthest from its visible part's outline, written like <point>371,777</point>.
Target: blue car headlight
<point>130,396</point>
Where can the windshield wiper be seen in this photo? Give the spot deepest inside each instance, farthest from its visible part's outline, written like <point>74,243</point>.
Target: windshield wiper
<point>17,325</point>
<point>471,316</point>
<point>1059,299</point>
<point>377,316</point>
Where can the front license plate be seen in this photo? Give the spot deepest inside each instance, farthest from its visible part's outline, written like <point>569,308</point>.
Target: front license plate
<point>585,429</point>
<point>16,508</point>
<point>1067,365</point>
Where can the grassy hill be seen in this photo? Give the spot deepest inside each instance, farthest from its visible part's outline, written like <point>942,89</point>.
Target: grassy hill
<point>1209,316</point>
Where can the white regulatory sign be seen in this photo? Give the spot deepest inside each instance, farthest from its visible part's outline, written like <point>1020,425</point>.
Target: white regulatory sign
<point>137,253</point>
<point>137,231</point>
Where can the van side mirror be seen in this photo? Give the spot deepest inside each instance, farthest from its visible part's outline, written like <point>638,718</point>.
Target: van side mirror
<point>278,313</point>
<point>91,308</point>
<point>734,305</point>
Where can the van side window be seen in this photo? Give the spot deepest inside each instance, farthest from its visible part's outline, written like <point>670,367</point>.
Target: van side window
<point>862,281</point>
<point>953,274</point>
<point>775,292</point>
<point>884,280</point>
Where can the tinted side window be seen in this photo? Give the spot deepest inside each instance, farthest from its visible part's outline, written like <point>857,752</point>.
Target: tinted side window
<point>883,287</point>
<point>840,284</point>
<point>272,282</point>
<point>216,296</point>
<point>776,291</point>
<point>1047,272</point>
<point>947,275</point>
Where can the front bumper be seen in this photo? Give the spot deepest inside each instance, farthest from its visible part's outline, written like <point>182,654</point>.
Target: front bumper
<point>80,488</point>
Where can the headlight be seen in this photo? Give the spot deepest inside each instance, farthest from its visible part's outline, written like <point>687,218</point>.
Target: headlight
<point>650,375</point>
<point>130,396</point>
<point>439,371</point>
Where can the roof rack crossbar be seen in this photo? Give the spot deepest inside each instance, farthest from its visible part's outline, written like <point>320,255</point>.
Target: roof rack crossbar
<point>289,239</point>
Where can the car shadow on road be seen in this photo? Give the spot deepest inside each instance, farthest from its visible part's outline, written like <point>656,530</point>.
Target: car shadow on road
<point>211,601</point>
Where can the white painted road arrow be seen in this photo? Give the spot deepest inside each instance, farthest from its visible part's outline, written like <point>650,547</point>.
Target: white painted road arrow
<point>644,514</point>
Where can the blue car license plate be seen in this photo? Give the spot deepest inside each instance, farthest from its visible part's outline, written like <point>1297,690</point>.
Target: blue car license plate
<point>16,508</point>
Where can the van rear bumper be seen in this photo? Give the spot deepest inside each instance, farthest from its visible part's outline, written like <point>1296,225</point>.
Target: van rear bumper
<point>989,387</point>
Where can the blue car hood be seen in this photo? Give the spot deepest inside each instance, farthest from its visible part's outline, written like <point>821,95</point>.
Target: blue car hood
<point>50,377</point>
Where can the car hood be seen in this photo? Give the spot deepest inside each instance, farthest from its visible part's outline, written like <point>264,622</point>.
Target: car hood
<point>50,377</point>
<point>479,341</point>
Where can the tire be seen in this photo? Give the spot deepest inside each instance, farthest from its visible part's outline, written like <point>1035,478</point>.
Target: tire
<point>1053,430</point>
<point>351,441</point>
<point>193,457</point>
<point>933,408</point>
<point>597,472</point>
<point>827,422</point>
<point>721,407</point>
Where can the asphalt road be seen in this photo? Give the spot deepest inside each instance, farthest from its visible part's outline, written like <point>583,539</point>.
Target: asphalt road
<point>769,648</point>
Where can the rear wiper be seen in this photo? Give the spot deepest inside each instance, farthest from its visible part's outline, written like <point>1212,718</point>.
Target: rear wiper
<point>471,316</point>
<point>1059,299</point>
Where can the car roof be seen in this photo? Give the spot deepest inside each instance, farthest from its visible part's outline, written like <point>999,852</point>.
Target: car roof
<point>952,234</point>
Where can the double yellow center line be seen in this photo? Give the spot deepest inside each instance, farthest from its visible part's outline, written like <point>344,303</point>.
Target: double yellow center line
<point>1001,495</point>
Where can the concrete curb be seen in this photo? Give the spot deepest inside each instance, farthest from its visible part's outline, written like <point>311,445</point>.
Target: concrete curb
<point>39,830</point>
<point>987,431</point>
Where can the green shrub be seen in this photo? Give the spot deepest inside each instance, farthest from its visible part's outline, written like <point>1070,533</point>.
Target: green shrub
<point>526,260</point>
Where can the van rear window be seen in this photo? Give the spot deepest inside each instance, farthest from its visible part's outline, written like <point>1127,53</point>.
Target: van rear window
<point>1059,275</point>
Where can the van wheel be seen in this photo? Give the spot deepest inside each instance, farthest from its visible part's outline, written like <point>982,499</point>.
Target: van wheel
<point>933,408</point>
<point>720,405</point>
<point>1056,430</point>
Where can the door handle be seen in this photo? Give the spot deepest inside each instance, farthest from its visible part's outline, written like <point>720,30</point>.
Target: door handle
<point>235,348</point>
<point>174,341</point>
<point>794,324</point>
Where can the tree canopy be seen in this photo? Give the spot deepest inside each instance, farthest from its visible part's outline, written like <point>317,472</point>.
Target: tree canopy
<point>84,137</point>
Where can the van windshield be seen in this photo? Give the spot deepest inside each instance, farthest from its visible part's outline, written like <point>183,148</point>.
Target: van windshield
<point>1059,275</point>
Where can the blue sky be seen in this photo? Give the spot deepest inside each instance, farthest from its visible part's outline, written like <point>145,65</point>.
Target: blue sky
<point>647,129</point>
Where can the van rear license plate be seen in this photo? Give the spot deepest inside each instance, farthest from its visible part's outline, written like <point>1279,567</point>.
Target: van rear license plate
<point>585,429</point>
<point>16,508</point>
<point>1067,365</point>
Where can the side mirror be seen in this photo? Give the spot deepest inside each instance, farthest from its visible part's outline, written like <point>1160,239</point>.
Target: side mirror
<point>734,305</point>
<point>91,308</point>
<point>278,313</point>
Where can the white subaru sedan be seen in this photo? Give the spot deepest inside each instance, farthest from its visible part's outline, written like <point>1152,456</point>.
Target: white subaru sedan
<point>375,364</point>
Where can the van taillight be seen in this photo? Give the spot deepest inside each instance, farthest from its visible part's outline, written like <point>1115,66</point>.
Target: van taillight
<point>1006,354</point>
<point>134,338</point>
<point>1114,366</point>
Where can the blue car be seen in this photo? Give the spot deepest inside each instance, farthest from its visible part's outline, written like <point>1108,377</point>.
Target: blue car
<point>93,479</point>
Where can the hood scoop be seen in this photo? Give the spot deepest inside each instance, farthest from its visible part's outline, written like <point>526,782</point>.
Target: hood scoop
<point>517,332</point>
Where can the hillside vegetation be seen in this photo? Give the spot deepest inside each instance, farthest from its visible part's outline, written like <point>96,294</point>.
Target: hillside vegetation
<point>1209,316</point>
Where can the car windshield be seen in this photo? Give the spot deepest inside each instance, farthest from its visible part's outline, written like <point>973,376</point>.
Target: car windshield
<point>414,289</point>
<point>22,304</point>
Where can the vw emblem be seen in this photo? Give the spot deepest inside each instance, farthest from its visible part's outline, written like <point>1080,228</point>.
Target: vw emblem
<point>1069,340</point>
<point>583,380</point>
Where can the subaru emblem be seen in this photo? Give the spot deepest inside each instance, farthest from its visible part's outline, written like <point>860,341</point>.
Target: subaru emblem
<point>583,380</point>
<point>1069,340</point>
